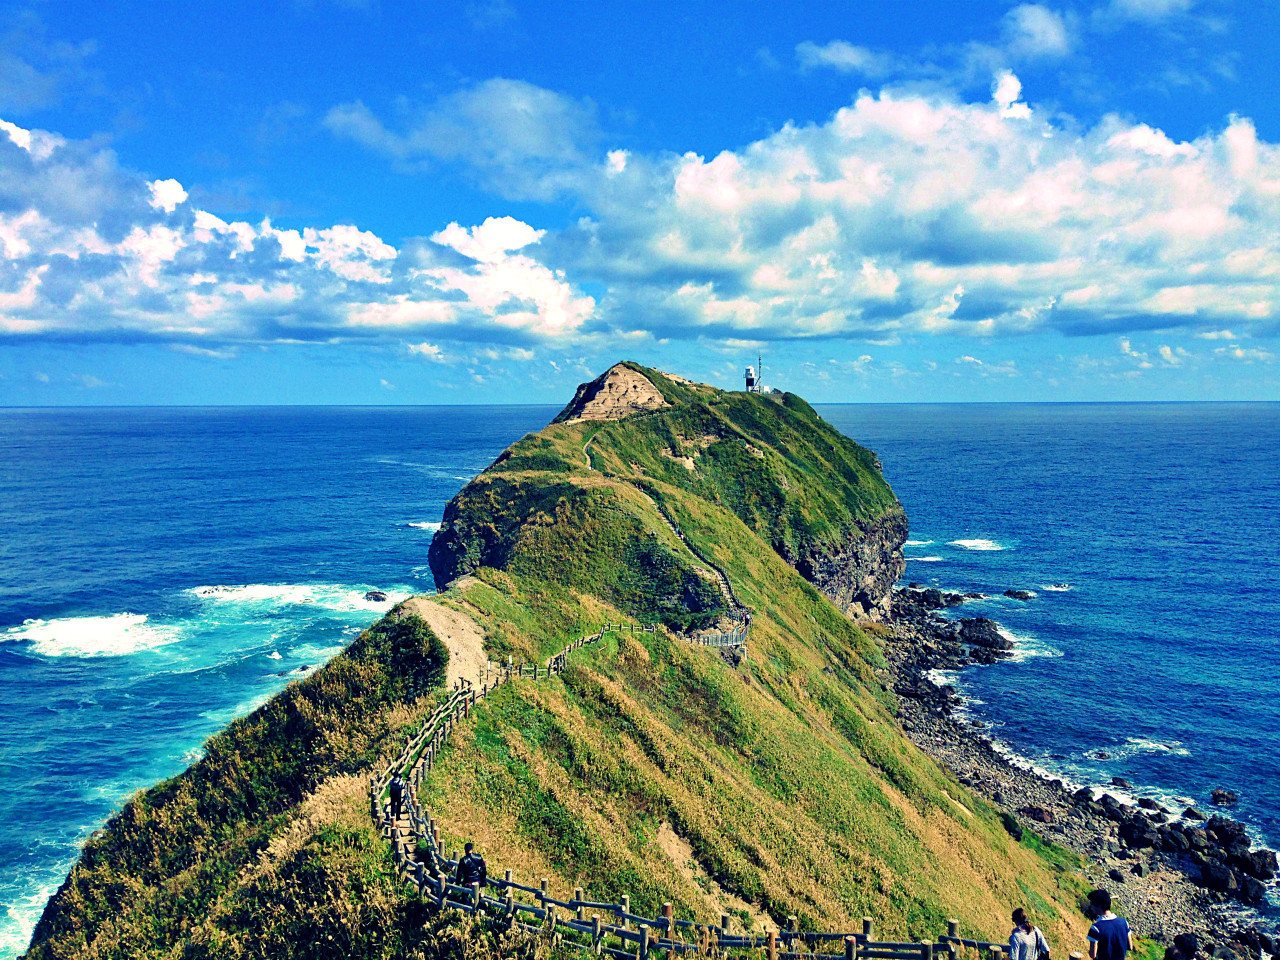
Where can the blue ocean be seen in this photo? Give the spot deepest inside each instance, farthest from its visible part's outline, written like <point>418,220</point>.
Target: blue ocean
<point>165,570</point>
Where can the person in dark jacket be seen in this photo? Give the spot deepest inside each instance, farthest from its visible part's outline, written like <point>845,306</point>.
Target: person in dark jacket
<point>397,797</point>
<point>471,868</point>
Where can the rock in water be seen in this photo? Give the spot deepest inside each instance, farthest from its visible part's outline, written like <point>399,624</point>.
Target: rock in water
<point>981,632</point>
<point>1020,594</point>
<point>1224,798</point>
<point>376,596</point>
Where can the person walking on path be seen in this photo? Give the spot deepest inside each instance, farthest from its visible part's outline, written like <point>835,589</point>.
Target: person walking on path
<point>1026,942</point>
<point>1110,937</point>
<point>397,797</point>
<point>471,868</point>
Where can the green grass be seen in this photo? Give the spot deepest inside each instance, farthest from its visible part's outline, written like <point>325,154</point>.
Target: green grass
<point>648,768</point>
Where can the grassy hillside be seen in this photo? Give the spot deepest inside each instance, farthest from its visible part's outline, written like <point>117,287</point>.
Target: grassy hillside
<point>650,767</point>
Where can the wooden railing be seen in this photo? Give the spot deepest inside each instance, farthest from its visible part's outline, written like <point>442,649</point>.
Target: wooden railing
<point>605,929</point>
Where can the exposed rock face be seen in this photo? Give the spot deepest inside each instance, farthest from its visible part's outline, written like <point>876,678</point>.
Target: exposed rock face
<point>859,578</point>
<point>616,393</point>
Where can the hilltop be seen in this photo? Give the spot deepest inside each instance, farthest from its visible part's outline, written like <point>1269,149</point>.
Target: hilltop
<point>779,785</point>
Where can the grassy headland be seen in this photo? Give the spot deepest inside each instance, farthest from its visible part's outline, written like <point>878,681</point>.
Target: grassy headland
<point>650,767</point>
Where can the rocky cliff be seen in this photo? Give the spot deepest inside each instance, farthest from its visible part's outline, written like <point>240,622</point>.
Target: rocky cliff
<point>859,575</point>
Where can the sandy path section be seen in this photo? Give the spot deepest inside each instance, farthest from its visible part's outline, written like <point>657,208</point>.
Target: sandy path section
<point>460,634</point>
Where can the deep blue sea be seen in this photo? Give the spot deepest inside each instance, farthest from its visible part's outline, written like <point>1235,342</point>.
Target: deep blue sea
<point>165,570</point>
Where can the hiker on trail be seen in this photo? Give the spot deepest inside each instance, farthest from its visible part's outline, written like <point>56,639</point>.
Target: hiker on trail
<point>471,868</point>
<point>397,797</point>
<point>1026,942</point>
<point>1110,937</point>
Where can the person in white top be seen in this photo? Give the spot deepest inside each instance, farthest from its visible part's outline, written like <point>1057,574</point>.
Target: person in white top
<point>1026,942</point>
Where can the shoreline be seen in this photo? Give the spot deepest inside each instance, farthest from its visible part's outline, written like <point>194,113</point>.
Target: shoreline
<point>1126,848</point>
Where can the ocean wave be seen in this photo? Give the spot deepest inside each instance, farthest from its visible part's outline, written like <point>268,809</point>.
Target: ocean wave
<point>114,635</point>
<point>926,559</point>
<point>977,544</point>
<point>917,543</point>
<point>1056,587</point>
<point>335,597</point>
<point>424,525</point>
<point>1027,646</point>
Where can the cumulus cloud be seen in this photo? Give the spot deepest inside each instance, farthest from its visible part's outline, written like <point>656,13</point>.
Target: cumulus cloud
<point>88,249</point>
<point>921,212</point>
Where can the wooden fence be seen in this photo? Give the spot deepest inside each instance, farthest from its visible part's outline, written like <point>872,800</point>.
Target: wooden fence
<point>604,929</point>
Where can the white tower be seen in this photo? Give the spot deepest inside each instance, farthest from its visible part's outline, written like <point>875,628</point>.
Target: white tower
<point>753,384</point>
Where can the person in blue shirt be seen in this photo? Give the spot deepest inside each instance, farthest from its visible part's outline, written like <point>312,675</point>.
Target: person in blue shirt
<point>1110,937</point>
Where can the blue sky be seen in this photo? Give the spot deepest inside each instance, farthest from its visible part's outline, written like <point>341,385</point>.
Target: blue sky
<point>377,202</point>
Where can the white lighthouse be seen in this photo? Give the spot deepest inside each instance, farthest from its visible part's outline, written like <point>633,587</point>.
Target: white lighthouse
<point>755,380</point>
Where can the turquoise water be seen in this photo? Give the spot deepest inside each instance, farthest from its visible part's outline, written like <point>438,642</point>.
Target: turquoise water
<point>162,571</point>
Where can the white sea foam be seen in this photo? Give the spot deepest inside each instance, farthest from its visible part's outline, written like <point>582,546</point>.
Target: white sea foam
<point>274,655</point>
<point>1056,587</point>
<point>976,544</point>
<point>335,597</point>
<point>926,559</point>
<point>424,525</point>
<point>917,543</point>
<point>111,636</point>
<point>1027,646</point>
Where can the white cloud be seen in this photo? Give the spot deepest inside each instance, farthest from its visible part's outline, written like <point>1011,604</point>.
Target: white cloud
<point>1147,10</point>
<point>94,250</point>
<point>167,194</point>
<point>517,139</point>
<point>1034,31</point>
<point>844,57</point>
<point>1217,335</point>
<point>1005,92</point>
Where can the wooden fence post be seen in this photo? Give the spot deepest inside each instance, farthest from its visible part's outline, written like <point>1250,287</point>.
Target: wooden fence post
<point>868,929</point>
<point>724,924</point>
<point>668,917</point>
<point>626,908</point>
<point>642,951</point>
<point>926,951</point>
<point>850,947</point>
<point>475,897</point>
<point>773,945</point>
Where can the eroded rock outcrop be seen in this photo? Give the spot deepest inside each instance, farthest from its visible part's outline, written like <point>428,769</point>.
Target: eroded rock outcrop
<point>616,393</point>
<point>859,577</point>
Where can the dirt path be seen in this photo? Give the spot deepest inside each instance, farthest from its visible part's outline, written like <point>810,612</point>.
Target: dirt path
<point>460,634</point>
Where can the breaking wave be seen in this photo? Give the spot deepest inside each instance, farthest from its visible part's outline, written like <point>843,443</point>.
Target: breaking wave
<point>115,635</point>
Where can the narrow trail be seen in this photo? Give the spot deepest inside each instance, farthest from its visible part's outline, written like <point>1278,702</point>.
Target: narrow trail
<point>612,929</point>
<point>721,578</point>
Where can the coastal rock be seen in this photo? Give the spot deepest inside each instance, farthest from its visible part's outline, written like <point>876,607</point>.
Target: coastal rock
<point>1257,863</point>
<point>1020,594</point>
<point>1038,814</point>
<point>981,632</point>
<point>1122,783</point>
<point>858,577</point>
<point>1191,813</point>
<point>1251,890</point>
<point>1146,803</point>
<point>1214,876</point>
<point>1139,834</point>
<point>376,596</point>
<point>1139,869</point>
<point>1224,798</point>
<point>1115,875</point>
